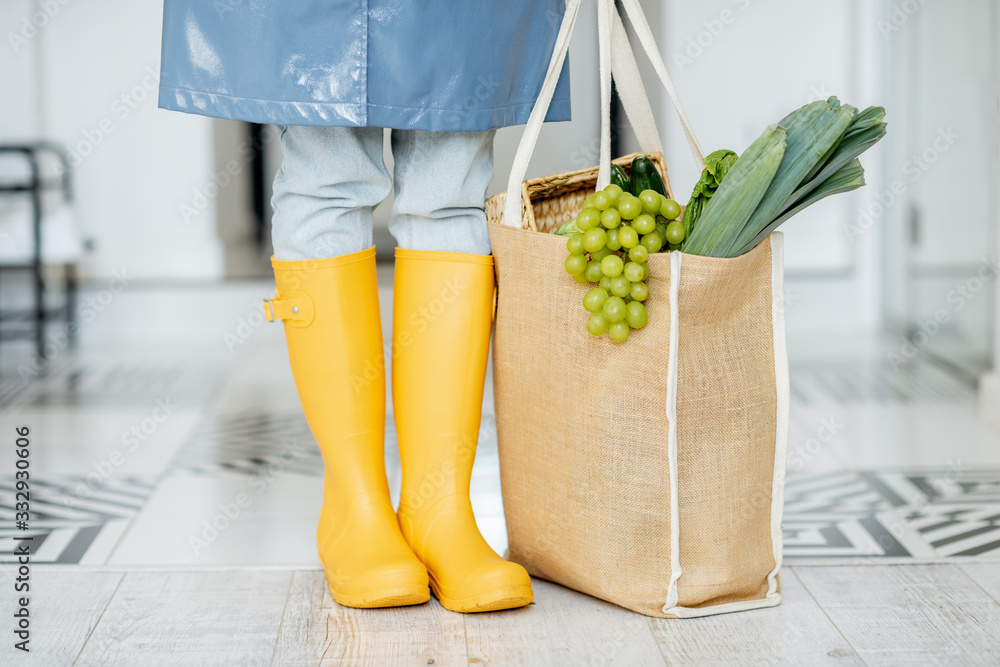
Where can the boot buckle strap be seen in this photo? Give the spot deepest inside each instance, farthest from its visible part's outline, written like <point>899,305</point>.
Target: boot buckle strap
<point>294,308</point>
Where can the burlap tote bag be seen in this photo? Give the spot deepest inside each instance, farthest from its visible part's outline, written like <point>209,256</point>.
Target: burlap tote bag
<point>647,473</point>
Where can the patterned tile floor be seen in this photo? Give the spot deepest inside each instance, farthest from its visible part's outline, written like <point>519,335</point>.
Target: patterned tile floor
<point>73,520</point>
<point>884,466</point>
<point>928,514</point>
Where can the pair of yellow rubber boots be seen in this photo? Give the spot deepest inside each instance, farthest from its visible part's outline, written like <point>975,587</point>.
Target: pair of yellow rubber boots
<point>442,317</point>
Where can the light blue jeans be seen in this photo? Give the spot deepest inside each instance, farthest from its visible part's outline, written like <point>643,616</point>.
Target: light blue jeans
<point>332,178</point>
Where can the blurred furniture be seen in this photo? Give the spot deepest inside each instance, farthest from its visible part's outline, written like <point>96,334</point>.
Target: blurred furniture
<point>37,230</point>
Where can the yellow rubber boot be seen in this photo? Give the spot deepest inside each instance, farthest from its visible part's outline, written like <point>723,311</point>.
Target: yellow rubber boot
<point>442,317</point>
<point>332,326</point>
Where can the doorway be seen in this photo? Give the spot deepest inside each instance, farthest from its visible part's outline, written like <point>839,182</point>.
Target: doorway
<point>940,202</point>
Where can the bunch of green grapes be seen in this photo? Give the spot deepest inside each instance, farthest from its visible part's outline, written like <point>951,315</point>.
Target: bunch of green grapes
<point>615,234</point>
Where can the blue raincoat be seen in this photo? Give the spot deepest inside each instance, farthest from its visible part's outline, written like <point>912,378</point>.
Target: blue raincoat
<point>410,64</point>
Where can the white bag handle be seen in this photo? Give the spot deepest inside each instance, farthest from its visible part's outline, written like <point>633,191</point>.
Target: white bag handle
<point>631,91</point>
<point>614,47</point>
<point>604,11</point>
<point>645,36</point>
<point>512,207</point>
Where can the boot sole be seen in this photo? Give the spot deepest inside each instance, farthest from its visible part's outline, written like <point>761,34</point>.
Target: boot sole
<point>505,598</point>
<point>399,596</point>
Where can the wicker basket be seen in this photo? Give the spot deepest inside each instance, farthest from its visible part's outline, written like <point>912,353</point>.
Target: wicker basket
<point>552,200</point>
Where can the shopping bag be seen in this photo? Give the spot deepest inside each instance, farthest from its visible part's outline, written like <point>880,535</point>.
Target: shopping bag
<point>648,473</point>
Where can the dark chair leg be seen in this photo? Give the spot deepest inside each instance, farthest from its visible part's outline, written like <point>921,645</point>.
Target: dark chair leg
<point>71,286</point>
<point>39,277</point>
<point>39,310</point>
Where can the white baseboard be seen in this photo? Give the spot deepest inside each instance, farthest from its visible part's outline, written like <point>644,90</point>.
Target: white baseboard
<point>989,399</point>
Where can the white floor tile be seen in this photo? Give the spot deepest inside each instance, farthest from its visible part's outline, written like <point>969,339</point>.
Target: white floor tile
<point>925,434</point>
<point>107,441</point>
<point>191,520</point>
<point>261,380</point>
<point>148,316</point>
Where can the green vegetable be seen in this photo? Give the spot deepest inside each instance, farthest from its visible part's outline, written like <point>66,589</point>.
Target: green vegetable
<point>865,131</point>
<point>620,178</point>
<point>644,176</point>
<point>717,165</point>
<point>692,212</point>
<point>812,131</point>
<point>850,177</point>
<point>818,158</point>
<point>568,228</point>
<point>738,195</point>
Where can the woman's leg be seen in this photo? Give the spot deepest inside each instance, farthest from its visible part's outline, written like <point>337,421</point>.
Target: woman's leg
<point>442,319</point>
<point>330,181</point>
<point>440,181</point>
<point>327,297</point>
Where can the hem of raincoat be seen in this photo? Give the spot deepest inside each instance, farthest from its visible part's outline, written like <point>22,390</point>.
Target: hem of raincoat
<point>332,114</point>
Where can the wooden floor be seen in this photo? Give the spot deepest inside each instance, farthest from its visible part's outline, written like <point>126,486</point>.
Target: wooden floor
<point>848,615</point>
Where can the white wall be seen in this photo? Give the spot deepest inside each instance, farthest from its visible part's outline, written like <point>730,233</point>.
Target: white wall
<point>92,70</point>
<point>943,154</point>
<point>18,68</point>
<point>989,386</point>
